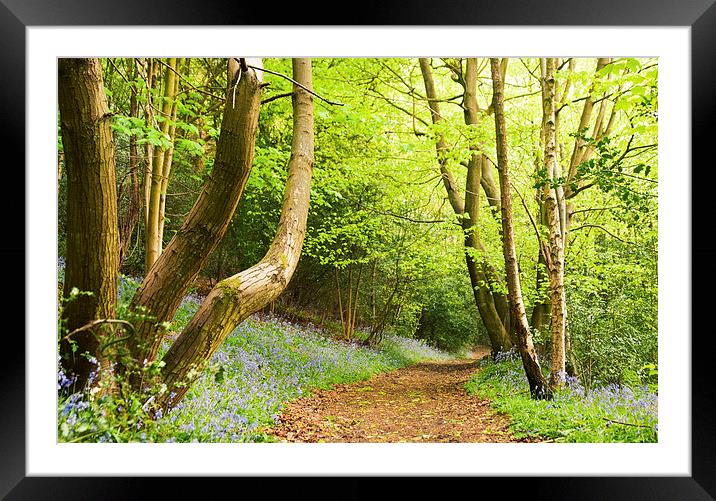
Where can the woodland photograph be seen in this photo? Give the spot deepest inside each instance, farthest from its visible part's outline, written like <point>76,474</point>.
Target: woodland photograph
<point>429,249</point>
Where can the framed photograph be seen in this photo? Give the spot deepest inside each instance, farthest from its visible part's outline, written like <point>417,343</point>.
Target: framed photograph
<point>680,465</point>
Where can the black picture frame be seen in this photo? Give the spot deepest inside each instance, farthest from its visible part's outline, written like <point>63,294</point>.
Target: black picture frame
<point>699,15</point>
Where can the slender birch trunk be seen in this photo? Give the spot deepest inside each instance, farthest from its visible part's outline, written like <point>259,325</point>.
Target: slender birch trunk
<point>153,241</point>
<point>554,208</point>
<point>167,162</point>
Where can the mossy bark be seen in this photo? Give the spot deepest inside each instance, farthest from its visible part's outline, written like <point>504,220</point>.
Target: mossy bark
<point>237,297</point>
<point>163,288</point>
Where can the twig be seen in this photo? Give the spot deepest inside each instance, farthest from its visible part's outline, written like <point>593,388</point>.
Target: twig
<point>277,96</point>
<point>595,208</point>
<point>542,246</point>
<point>95,323</point>
<point>295,83</point>
<point>181,77</point>
<point>603,229</point>
<point>407,218</point>
<point>626,424</point>
<point>100,321</point>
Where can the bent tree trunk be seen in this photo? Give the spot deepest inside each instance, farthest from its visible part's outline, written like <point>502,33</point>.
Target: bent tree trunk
<point>538,385</point>
<point>166,283</point>
<point>237,297</point>
<point>92,231</point>
<point>479,271</point>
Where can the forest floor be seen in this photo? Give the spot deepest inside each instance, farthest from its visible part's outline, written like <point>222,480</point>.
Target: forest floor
<point>425,402</point>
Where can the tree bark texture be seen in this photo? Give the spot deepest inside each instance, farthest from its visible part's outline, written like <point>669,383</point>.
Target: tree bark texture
<point>164,286</point>
<point>539,388</point>
<point>579,144</point>
<point>554,208</point>
<point>92,231</point>
<point>237,297</point>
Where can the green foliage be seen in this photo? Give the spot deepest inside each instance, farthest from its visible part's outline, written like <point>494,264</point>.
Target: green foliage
<point>378,205</point>
<point>612,303</point>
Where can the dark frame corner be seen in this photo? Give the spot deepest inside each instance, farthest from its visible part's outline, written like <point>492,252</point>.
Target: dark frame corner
<point>700,15</point>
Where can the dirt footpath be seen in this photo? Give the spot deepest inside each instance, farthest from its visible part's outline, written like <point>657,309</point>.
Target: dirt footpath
<point>426,402</point>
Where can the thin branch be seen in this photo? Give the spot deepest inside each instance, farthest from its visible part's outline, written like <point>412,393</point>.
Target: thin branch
<point>277,96</point>
<point>222,99</point>
<point>639,177</point>
<point>295,83</point>
<point>121,75</point>
<point>95,323</point>
<point>580,189</point>
<point>100,321</point>
<point>595,209</point>
<point>420,221</point>
<point>603,229</point>
<point>542,246</point>
<point>391,103</point>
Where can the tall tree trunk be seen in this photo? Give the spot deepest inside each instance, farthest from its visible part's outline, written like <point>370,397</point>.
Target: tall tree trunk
<point>167,162</point>
<point>162,290</point>
<point>373,318</point>
<point>153,248</point>
<point>131,218</point>
<point>150,81</point>
<point>539,388</point>
<point>237,297</point>
<point>340,301</point>
<point>479,279</point>
<point>579,144</point>
<point>355,302</point>
<point>92,232</point>
<point>554,208</point>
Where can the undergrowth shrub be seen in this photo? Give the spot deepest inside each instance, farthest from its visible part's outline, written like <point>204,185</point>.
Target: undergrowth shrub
<point>609,413</point>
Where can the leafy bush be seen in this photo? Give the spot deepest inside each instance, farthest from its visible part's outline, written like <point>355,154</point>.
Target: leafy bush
<point>109,412</point>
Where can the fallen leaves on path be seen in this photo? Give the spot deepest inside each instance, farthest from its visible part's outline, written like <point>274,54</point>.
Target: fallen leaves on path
<point>426,402</point>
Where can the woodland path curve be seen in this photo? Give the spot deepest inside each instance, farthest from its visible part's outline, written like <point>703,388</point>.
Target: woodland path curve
<point>425,402</point>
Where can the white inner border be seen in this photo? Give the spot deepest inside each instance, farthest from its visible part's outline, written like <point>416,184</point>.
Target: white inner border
<point>670,456</point>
